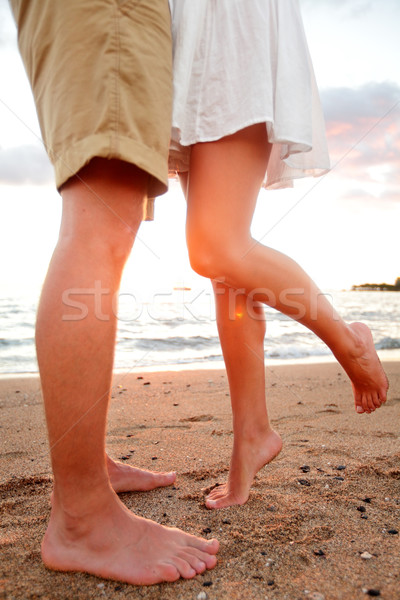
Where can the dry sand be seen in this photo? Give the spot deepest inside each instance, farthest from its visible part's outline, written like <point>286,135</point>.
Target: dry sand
<point>300,536</point>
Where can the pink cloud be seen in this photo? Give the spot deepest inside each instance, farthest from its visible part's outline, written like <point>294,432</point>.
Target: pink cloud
<point>363,129</point>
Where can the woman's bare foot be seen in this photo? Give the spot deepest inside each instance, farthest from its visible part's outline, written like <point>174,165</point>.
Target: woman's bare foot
<point>248,457</point>
<point>125,478</point>
<point>368,379</point>
<point>109,541</point>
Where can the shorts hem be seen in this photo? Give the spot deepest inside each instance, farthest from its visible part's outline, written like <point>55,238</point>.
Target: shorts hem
<point>69,163</point>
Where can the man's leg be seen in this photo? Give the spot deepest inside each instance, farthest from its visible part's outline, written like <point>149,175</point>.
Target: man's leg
<point>90,529</point>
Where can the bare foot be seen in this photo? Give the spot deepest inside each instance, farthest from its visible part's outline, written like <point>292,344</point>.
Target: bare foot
<point>248,457</point>
<point>111,542</point>
<point>125,478</point>
<point>368,379</point>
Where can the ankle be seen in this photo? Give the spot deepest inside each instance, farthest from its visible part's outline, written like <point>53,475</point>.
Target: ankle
<point>81,504</point>
<point>252,432</point>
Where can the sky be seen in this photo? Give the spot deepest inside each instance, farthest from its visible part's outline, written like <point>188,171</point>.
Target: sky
<point>342,228</point>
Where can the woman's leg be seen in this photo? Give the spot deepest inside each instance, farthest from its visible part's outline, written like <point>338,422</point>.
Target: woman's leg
<point>241,329</point>
<point>225,179</point>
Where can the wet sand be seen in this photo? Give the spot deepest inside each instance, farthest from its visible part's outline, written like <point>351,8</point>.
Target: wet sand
<point>332,495</point>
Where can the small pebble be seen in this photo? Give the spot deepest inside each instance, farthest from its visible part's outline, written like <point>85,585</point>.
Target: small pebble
<point>271,582</point>
<point>373,592</point>
<point>367,500</point>
<point>366,555</point>
<point>304,482</point>
<point>393,531</point>
<point>361,509</point>
<point>100,586</point>
<point>305,468</point>
<point>341,467</point>
<point>207,583</point>
<point>202,596</point>
<point>176,403</point>
<point>226,522</point>
<point>338,478</point>
<point>139,377</point>
<point>154,457</point>
<point>364,517</point>
<point>269,562</point>
<point>319,553</point>
<point>206,530</point>
<point>146,382</point>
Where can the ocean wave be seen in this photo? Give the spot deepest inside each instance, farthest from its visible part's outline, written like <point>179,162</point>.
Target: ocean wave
<point>196,342</point>
<point>11,342</point>
<point>388,343</point>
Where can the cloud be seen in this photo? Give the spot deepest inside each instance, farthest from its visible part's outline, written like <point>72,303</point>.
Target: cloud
<point>7,25</point>
<point>362,197</point>
<point>25,165</point>
<point>371,100</point>
<point>343,8</point>
<point>363,130</point>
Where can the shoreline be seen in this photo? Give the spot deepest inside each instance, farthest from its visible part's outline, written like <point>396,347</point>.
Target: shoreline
<point>303,530</point>
<point>386,355</point>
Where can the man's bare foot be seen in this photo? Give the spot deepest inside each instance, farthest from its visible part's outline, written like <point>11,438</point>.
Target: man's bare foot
<point>368,379</point>
<point>111,542</point>
<point>125,478</point>
<point>248,457</point>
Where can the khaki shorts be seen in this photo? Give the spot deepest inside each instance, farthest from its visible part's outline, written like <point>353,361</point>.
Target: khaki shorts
<point>100,72</point>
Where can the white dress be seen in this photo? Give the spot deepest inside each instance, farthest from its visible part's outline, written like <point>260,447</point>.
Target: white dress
<point>241,62</point>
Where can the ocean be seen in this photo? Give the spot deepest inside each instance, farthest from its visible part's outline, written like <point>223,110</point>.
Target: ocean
<point>177,328</point>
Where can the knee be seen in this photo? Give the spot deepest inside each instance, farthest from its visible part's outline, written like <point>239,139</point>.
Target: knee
<point>109,249</point>
<point>208,258</point>
<point>103,209</point>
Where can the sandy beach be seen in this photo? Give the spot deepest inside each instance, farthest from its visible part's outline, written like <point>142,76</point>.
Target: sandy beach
<point>322,520</point>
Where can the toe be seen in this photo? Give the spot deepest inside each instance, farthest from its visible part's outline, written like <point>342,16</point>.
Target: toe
<point>194,561</point>
<point>210,560</point>
<point>164,479</point>
<point>210,547</point>
<point>216,490</point>
<point>169,572</point>
<point>376,401</point>
<point>184,568</point>
<point>365,403</point>
<point>371,404</point>
<point>223,502</point>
